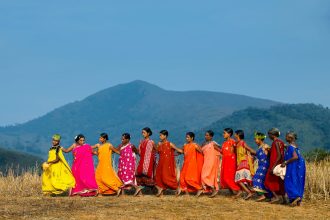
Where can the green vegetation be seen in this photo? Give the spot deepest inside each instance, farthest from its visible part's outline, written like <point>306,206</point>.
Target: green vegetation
<point>311,122</point>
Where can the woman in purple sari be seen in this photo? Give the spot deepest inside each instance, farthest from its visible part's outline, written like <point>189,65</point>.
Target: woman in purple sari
<point>83,168</point>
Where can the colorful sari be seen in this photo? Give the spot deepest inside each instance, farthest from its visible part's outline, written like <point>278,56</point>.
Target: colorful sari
<point>83,171</point>
<point>190,176</point>
<point>261,167</point>
<point>294,180</point>
<point>145,169</point>
<point>229,166</point>
<point>58,178</point>
<point>106,177</point>
<point>245,169</point>
<point>210,166</point>
<point>275,183</point>
<point>126,165</point>
<point>166,168</point>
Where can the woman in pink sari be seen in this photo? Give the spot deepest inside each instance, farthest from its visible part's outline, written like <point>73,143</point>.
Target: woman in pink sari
<point>83,168</point>
<point>211,164</point>
<point>146,168</point>
<point>126,165</point>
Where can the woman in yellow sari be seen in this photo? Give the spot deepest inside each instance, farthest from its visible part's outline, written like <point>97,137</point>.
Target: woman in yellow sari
<point>57,177</point>
<point>107,180</point>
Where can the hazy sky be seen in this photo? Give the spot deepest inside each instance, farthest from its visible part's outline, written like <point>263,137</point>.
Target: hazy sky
<point>56,52</point>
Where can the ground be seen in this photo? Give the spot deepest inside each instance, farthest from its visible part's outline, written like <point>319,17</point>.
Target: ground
<point>151,207</point>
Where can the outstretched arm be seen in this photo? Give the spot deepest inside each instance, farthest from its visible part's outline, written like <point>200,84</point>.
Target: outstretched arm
<point>69,149</point>
<point>96,146</point>
<point>198,148</point>
<point>216,146</point>
<point>135,150</point>
<point>176,148</point>
<point>54,161</point>
<point>252,151</point>
<point>114,149</point>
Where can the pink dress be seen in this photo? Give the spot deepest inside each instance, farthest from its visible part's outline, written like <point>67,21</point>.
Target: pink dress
<point>126,165</point>
<point>83,171</point>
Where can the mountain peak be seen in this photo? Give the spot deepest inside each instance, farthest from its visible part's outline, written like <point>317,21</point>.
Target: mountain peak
<point>140,84</point>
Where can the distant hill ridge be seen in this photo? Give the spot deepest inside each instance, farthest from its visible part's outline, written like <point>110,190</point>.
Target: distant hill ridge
<point>127,108</point>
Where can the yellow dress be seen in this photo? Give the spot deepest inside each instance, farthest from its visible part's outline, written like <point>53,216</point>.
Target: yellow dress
<point>58,178</point>
<point>106,177</point>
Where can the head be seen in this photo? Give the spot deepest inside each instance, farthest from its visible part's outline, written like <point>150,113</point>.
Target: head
<point>146,132</point>
<point>163,135</point>
<point>239,135</point>
<point>103,138</point>
<point>125,138</point>
<point>190,137</point>
<point>227,133</point>
<point>291,137</point>
<point>274,133</point>
<point>80,139</point>
<point>209,135</point>
<point>56,139</point>
<point>259,138</point>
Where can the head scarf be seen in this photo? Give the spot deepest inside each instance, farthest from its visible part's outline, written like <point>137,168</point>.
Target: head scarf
<point>56,137</point>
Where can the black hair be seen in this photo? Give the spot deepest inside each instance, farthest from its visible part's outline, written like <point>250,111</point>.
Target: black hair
<point>229,131</point>
<point>164,132</point>
<point>240,134</point>
<point>78,137</point>
<point>274,131</point>
<point>210,132</point>
<point>191,134</point>
<point>260,135</point>
<point>148,130</point>
<point>105,136</point>
<point>127,136</point>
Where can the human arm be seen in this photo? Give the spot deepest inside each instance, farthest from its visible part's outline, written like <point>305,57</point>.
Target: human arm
<point>68,150</point>
<point>96,146</point>
<point>117,151</point>
<point>135,150</point>
<point>176,148</point>
<point>198,148</point>
<point>250,149</point>
<point>293,158</point>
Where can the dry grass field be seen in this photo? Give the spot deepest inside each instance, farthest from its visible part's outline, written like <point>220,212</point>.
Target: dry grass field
<point>20,198</point>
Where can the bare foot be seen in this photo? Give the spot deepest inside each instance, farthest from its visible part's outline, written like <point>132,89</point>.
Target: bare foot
<point>248,196</point>
<point>178,192</point>
<point>199,193</point>
<point>275,201</point>
<point>137,191</point>
<point>261,198</point>
<point>214,193</point>
<point>238,195</point>
<point>295,202</point>
<point>119,192</point>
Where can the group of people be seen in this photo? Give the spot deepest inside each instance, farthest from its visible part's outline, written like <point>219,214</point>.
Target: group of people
<point>273,173</point>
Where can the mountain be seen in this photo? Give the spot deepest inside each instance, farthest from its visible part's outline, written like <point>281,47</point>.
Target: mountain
<point>127,108</point>
<point>311,122</point>
<point>17,160</point>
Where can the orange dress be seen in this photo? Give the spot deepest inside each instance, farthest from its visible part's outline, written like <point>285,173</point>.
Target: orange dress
<point>190,177</point>
<point>165,172</point>
<point>210,167</point>
<point>107,180</point>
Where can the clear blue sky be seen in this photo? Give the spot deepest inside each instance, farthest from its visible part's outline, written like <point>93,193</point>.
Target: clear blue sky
<point>56,52</point>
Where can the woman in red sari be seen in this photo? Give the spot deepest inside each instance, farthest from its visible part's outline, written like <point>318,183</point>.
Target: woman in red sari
<point>272,182</point>
<point>190,176</point>
<point>229,163</point>
<point>166,168</point>
<point>146,168</point>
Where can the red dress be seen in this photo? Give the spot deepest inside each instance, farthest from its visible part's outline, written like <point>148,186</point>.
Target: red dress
<point>145,169</point>
<point>228,166</point>
<point>165,172</point>
<point>272,182</point>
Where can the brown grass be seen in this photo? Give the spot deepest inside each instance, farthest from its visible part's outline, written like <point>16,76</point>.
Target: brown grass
<point>21,198</point>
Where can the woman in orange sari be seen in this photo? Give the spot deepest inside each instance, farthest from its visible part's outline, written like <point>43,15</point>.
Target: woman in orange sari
<point>166,168</point>
<point>190,177</point>
<point>210,168</point>
<point>228,166</point>
<point>107,180</point>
